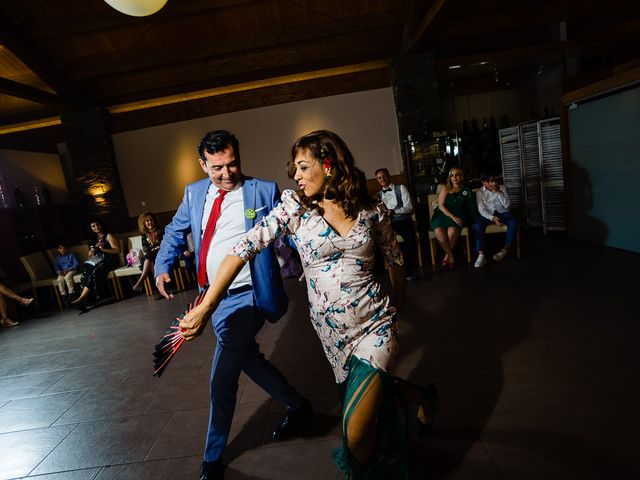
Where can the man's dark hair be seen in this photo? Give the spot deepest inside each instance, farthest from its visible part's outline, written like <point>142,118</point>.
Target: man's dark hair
<point>386,170</point>
<point>218,141</point>
<point>486,177</point>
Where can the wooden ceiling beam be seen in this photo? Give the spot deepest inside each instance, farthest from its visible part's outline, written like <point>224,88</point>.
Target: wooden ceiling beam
<point>374,25</point>
<point>434,14</point>
<point>27,92</point>
<point>37,60</point>
<point>234,68</point>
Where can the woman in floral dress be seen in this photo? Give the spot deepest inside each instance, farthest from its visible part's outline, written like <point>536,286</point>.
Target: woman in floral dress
<point>336,227</point>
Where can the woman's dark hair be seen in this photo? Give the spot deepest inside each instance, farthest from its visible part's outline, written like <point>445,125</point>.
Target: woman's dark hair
<point>346,184</point>
<point>95,220</point>
<point>218,141</point>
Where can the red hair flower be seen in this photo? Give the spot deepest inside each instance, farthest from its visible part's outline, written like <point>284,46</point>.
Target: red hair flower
<point>326,163</point>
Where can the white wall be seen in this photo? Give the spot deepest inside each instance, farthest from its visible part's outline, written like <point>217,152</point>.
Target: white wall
<point>156,163</point>
<point>30,169</point>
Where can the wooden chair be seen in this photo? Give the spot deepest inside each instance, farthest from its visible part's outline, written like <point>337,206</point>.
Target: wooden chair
<point>40,274</point>
<point>184,277</point>
<point>432,199</point>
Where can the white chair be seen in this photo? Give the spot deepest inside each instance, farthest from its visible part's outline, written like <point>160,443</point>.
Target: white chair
<point>126,271</point>
<point>432,200</point>
<point>40,274</point>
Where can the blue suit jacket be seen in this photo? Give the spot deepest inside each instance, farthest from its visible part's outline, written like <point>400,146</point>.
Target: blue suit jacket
<point>259,195</point>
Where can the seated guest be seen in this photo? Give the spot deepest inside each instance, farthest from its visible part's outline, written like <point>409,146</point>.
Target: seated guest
<point>103,258</point>
<point>456,209</point>
<point>151,238</point>
<point>5,293</point>
<point>493,206</point>
<point>66,267</point>
<point>398,200</point>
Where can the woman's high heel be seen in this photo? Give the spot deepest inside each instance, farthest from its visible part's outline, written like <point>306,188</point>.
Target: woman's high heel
<point>26,302</point>
<point>431,404</point>
<point>7,322</point>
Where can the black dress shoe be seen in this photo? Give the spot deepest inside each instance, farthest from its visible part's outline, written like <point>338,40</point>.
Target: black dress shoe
<point>292,419</point>
<point>212,470</point>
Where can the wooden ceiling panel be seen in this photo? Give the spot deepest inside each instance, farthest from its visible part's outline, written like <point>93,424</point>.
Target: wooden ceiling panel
<point>65,53</point>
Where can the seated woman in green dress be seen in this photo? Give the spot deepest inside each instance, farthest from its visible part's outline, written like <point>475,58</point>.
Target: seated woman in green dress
<point>456,209</point>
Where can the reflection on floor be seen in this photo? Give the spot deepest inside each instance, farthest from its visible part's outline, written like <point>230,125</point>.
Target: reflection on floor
<point>536,361</point>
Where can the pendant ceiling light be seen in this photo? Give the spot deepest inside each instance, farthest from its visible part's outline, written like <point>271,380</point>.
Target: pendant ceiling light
<point>137,8</point>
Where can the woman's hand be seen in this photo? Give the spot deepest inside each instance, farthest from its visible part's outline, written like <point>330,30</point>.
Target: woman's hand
<point>456,219</point>
<point>193,323</point>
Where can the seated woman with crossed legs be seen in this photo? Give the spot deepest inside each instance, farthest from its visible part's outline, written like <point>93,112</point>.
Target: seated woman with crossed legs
<point>151,238</point>
<point>103,258</point>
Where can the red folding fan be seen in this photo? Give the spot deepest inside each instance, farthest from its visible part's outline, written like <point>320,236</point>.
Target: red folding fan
<point>172,340</point>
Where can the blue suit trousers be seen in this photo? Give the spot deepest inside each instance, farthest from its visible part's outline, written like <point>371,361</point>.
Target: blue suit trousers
<point>236,322</point>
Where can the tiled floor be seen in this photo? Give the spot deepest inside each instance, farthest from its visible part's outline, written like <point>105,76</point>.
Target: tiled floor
<point>536,361</point>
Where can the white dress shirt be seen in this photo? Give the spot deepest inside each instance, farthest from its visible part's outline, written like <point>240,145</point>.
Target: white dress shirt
<point>489,202</point>
<point>388,197</point>
<point>229,229</point>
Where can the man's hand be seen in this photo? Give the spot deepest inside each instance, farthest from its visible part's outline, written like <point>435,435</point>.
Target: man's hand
<point>497,221</point>
<point>160,283</point>
<point>193,323</point>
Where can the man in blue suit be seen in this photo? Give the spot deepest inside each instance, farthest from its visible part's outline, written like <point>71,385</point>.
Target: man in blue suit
<point>234,203</point>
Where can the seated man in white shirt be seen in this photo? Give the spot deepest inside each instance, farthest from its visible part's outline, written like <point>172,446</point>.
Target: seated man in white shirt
<point>398,200</point>
<point>493,205</point>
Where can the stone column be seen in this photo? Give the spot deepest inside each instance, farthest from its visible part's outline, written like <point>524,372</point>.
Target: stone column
<point>417,101</point>
<point>93,168</point>
<point>415,89</point>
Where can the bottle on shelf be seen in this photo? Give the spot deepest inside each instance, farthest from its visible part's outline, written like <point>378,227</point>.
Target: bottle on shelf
<point>4,201</point>
<point>37,198</point>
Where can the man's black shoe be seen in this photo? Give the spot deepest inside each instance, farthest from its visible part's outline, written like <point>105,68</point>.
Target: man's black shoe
<point>292,419</point>
<point>212,470</point>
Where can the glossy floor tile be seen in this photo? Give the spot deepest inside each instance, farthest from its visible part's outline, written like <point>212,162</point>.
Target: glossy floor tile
<point>536,361</point>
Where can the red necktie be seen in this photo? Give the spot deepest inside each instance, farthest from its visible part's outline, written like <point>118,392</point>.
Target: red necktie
<point>206,238</point>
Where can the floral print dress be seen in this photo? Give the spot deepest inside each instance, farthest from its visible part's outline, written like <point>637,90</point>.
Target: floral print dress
<point>348,311</point>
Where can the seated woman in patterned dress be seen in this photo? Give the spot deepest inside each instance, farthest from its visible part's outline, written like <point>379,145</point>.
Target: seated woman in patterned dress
<point>151,238</point>
<point>103,258</point>
<point>456,209</point>
<point>336,227</point>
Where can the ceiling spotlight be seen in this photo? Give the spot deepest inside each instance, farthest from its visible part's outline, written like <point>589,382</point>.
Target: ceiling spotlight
<point>137,8</point>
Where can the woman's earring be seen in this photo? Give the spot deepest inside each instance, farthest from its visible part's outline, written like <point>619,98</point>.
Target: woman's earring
<point>330,194</point>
